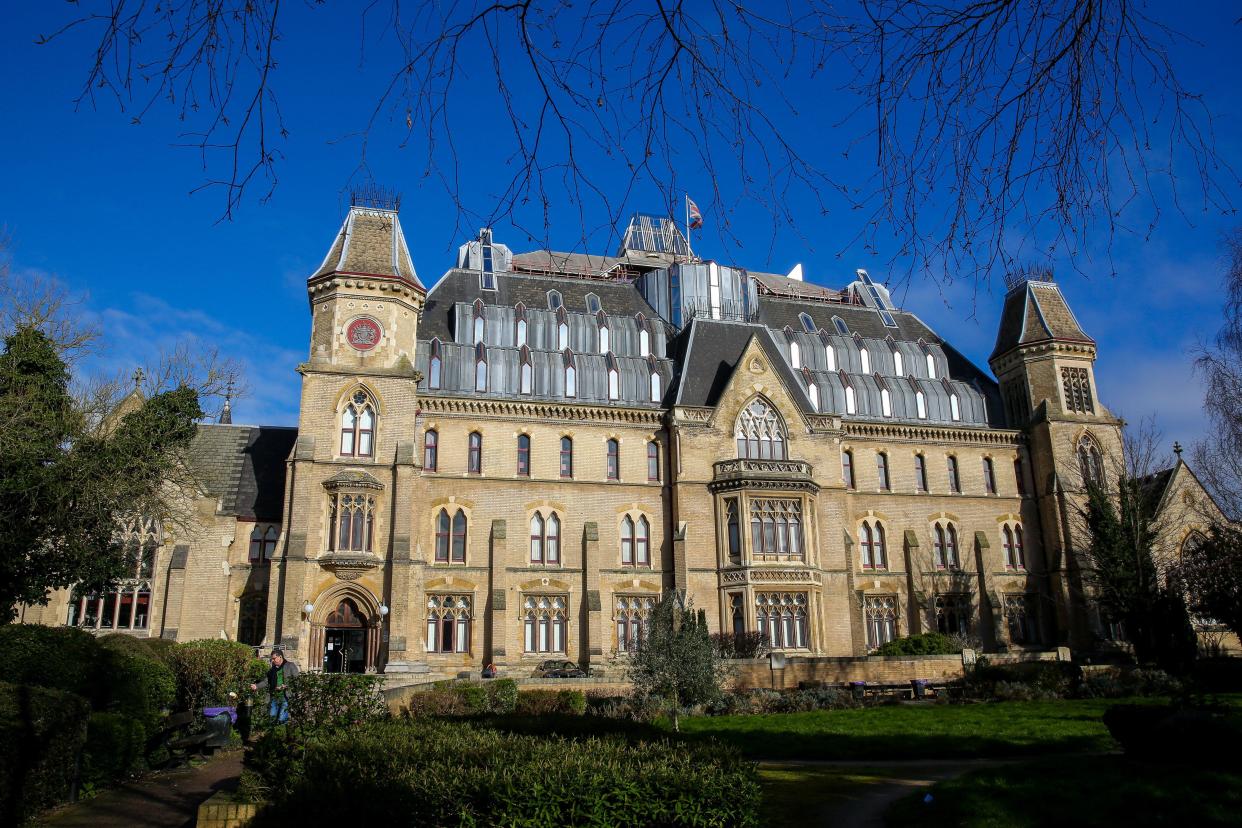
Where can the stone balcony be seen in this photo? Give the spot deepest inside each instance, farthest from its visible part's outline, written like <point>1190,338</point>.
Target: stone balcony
<point>781,475</point>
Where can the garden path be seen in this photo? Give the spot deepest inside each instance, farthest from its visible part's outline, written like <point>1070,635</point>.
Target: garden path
<point>164,800</point>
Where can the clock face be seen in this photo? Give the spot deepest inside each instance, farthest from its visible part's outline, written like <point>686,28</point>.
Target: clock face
<point>363,334</point>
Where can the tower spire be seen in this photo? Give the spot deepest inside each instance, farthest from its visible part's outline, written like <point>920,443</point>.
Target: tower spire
<point>226,413</point>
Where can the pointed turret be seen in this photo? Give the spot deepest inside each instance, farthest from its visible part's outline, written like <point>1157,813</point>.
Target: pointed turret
<point>370,243</point>
<point>1036,312</point>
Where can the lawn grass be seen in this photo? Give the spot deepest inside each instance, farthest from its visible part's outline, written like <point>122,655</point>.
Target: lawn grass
<point>916,731</point>
<point>1078,791</point>
<point>803,794</point>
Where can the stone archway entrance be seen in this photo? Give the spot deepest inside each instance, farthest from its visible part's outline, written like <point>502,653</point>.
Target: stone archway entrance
<point>347,640</point>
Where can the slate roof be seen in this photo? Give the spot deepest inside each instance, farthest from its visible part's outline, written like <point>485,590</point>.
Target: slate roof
<point>709,353</point>
<point>1154,485</point>
<point>244,467</point>
<point>371,243</point>
<point>1036,312</point>
<point>779,285</point>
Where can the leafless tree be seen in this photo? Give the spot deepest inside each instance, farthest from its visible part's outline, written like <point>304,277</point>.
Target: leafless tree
<point>1039,122</point>
<point>44,303</point>
<point>1218,457</point>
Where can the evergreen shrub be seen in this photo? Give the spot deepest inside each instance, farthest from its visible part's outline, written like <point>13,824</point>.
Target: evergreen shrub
<point>922,644</point>
<point>114,748</point>
<point>410,773</point>
<point>336,701</point>
<point>42,733</point>
<point>207,671</point>
<point>61,658</point>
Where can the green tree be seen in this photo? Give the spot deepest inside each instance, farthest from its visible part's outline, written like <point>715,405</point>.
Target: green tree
<point>66,479</point>
<point>675,660</point>
<point>1121,531</point>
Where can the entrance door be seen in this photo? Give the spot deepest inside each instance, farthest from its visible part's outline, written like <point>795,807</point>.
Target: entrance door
<point>344,651</point>
<point>345,640</point>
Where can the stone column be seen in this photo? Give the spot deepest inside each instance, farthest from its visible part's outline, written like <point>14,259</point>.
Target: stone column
<point>174,592</point>
<point>592,648</point>
<point>917,605</point>
<point>496,633</point>
<point>404,616</point>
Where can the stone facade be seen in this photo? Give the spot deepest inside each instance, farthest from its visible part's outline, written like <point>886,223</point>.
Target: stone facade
<point>512,466</point>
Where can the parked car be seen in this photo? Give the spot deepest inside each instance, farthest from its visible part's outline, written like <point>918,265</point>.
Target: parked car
<point>559,668</point>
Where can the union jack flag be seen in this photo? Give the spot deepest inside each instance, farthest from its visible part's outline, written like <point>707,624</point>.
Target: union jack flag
<point>694,219</point>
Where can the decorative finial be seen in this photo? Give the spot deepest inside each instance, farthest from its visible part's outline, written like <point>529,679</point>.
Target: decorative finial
<point>226,413</point>
<point>138,377</point>
<point>1177,449</point>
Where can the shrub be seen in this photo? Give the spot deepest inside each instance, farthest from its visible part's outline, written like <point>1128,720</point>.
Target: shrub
<point>1119,682</point>
<point>504,695</point>
<point>42,732</point>
<point>474,698</point>
<point>438,701</point>
<point>160,649</point>
<point>114,746</point>
<point>572,701</point>
<point>922,644</point>
<point>62,658</point>
<point>542,702</point>
<point>1043,679</point>
<point>336,701</point>
<point>1164,733</point>
<point>133,682</point>
<point>738,645</point>
<point>512,780</point>
<point>207,671</point>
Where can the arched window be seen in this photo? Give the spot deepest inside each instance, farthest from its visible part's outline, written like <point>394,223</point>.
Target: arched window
<point>864,355</point>
<point>262,545</point>
<point>930,358</point>
<point>614,460</point>
<point>252,619</point>
<point>358,426</point>
<point>795,350</point>
<point>604,344</point>
<point>451,537</point>
<point>920,473</point>
<point>614,377</point>
<point>874,551</point>
<point>760,433</point>
<point>571,376</point>
<point>536,538</point>
<point>781,619</point>
<point>448,623</point>
<point>1015,557</point>
<point>812,390</point>
<point>881,470</point>
<point>480,367</point>
<point>520,327</point>
<point>899,364</point>
<point>1090,463</point>
<point>920,404</point>
<point>627,541</point>
<point>269,543</point>
<point>989,476</point>
<point>840,325</point>
<point>1019,475</point>
<point>444,535</point>
<point>733,530</point>
<point>351,522</point>
<point>644,338</point>
<point>593,304</point>
<point>886,402</point>
<point>554,300</point>
<point>642,542</point>
<point>808,324</point>
<point>653,460</point>
<point>955,479</point>
<point>479,322</point>
<point>633,612</point>
<point>567,457</point>
<point>847,468</point>
<point>851,400</point>
<point>523,455</point>
<point>526,372</point>
<point>545,622</point>
<point>474,453</point>
<point>830,353</point>
<point>435,365</point>
<point>656,393</point>
<point>562,330</point>
<point>955,408</point>
<point>431,450</point>
<point>554,539</point>
<point>944,546</point>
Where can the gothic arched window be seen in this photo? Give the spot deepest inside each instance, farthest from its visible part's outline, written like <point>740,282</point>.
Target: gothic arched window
<point>480,322</point>
<point>435,366</point>
<point>358,426</point>
<point>351,522</point>
<point>1090,463</point>
<point>520,326</point>
<point>760,433</point>
<point>480,367</point>
<point>605,343</point>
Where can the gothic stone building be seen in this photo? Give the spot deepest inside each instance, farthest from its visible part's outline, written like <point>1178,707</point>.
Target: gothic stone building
<point>514,464</point>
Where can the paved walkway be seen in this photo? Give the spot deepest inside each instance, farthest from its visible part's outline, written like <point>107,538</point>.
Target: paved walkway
<point>163,800</point>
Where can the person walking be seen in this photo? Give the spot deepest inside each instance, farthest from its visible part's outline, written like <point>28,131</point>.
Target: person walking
<point>279,676</point>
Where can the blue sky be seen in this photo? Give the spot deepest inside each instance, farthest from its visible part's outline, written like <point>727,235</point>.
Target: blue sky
<point>105,207</point>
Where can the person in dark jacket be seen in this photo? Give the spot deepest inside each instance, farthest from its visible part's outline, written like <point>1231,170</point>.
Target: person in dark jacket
<point>279,676</point>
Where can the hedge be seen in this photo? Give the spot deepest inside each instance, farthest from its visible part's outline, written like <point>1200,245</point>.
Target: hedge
<point>114,748</point>
<point>60,658</point>
<point>412,773</point>
<point>207,671</point>
<point>922,644</point>
<point>134,682</point>
<point>42,733</point>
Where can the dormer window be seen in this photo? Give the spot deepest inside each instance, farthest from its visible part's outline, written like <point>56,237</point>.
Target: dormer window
<point>830,352</point>
<point>657,393</point>
<point>435,365</point>
<point>812,390</point>
<point>562,329</point>
<point>526,372</point>
<point>864,355</point>
<point>614,377</point>
<point>520,326</point>
<point>808,324</point>
<point>593,304</point>
<point>644,338</point>
<point>571,375</point>
<point>554,300</point>
<point>480,367</point>
<point>479,321</point>
<point>886,399</point>
<point>931,359</point>
<point>601,321</point>
<point>899,364</point>
<point>487,275</point>
<point>851,399</point>
<point>840,325</point>
<point>795,350</point>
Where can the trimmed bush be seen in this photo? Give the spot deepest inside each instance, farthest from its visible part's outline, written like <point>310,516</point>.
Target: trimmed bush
<point>474,698</point>
<point>160,649</point>
<point>504,695</point>
<point>62,658</point>
<point>408,773</point>
<point>114,748</point>
<point>133,682</point>
<point>438,701</point>
<point>336,701</point>
<point>42,733</point>
<point>1165,733</point>
<point>542,702</point>
<point>1120,682</point>
<point>207,671</point>
<point>922,644</point>
<point>1037,679</point>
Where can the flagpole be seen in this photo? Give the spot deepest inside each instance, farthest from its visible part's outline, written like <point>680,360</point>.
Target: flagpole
<point>689,249</point>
